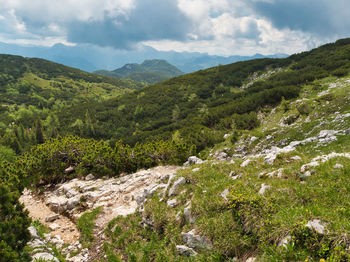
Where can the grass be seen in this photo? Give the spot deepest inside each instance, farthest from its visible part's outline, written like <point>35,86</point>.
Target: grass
<point>250,224</point>
<point>86,225</point>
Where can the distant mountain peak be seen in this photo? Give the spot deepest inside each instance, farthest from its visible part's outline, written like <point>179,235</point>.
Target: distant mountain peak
<point>150,71</point>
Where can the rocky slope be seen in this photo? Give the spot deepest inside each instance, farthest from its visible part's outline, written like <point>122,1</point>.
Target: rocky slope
<point>279,192</point>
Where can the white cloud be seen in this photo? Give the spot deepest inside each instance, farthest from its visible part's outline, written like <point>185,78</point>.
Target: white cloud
<point>222,27</point>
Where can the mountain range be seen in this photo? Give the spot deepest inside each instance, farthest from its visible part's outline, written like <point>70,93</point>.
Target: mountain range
<point>150,71</point>
<point>91,58</point>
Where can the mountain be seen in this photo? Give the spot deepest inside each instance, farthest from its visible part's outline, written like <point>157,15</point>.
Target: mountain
<point>150,71</point>
<point>91,58</point>
<point>32,88</point>
<point>210,100</point>
<point>266,178</point>
<point>274,134</point>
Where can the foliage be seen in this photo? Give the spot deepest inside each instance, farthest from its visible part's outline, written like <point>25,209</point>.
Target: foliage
<point>86,224</point>
<point>46,163</point>
<point>14,223</point>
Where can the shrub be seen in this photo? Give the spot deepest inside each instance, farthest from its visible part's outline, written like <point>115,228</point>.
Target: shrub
<point>14,223</point>
<point>46,163</point>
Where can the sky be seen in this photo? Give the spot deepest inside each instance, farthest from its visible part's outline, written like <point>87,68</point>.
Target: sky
<point>216,27</point>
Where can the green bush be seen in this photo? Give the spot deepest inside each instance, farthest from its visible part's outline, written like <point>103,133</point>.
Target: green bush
<point>46,163</point>
<point>14,223</point>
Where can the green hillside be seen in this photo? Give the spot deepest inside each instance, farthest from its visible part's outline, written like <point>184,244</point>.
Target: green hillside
<point>198,106</point>
<point>273,186</point>
<point>32,89</point>
<point>150,71</point>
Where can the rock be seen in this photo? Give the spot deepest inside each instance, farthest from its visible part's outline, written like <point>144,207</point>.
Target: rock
<point>307,166</point>
<point>278,173</point>
<point>54,226</point>
<point>307,173</point>
<point>69,169</point>
<point>296,158</point>
<point>89,177</point>
<point>72,203</point>
<point>270,158</point>
<point>147,221</point>
<point>37,244</point>
<point>171,203</point>
<point>52,218</point>
<point>251,259</point>
<point>196,169</point>
<point>44,256</point>
<point>263,189</point>
<point>338,166</point>
<point>57,241</point>
<point>224,194</point>
<point>285,241</point>
<point>188,215</point>
<point>347,131</point>
<point>33,232</point>
<point>193,160</point>
<point>179,182</point>
<point>185,251</point>
<point>316,225</point>
<point>246,163</point>
<point>220,155</point>
<point>253,139</point>
<point>226,136</point>
<point>196,241</point>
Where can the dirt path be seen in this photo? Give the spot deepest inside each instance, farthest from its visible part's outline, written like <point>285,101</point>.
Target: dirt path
<point>67,230</point>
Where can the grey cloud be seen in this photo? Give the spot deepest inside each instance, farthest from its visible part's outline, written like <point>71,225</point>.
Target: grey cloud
<point>149,20</point>
<point>321,17</point>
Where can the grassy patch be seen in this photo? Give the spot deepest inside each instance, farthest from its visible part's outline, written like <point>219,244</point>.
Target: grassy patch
<point>86,224</point>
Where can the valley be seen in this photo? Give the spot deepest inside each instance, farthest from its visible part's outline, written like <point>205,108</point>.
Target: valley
<point>243,162</point>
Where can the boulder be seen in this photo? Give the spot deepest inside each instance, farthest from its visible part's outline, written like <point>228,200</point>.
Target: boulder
<point>246,162</point>
<point>338,166</point>
<point>69,169</point>
<point>177,183</point>
<point>33,232</point>
<point>307,166</point>
<point>172,203</point>
<point>44,256</point>
<point>188,215</point>
<point>285,241</point>
<point>316,226</point>
<point>89,177</point>
<point>196,241</point>
<point>224,194</point>
<point>193,160</point>
<point>52,218</point>
<point>185,251</point>
<point>263,189</point>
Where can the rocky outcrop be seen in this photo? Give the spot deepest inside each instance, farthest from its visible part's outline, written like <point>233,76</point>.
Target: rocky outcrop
<point>173,190</point>
<point>196,241</point>
<point>39,247</point>
<point>185,251</point>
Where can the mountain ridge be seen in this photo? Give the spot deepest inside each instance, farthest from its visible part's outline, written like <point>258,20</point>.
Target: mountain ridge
<point>149,71</point>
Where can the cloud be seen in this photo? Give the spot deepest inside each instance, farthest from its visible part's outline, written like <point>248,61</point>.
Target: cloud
<point>148,20</point>
<point>216,26</point>
<point>318,17</point>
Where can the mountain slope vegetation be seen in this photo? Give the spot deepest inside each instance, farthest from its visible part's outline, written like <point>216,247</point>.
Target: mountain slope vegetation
<point>274,134</point>
<point>195,107</point>
<point>150,71</point>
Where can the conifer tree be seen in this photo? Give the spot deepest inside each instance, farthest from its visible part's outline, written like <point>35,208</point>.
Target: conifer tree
<point>39,135</point>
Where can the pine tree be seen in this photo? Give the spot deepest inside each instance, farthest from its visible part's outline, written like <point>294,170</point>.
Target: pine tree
<point>39,135</point>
